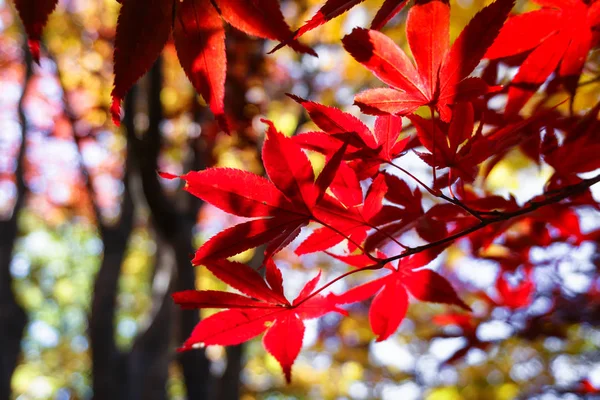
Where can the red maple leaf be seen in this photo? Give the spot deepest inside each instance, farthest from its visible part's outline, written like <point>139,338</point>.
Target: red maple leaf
<point>34,14</point>
<point>399,216</point>
<point>279,207</point>
<point>515,296</point>
<point>579,150</point>
<point>458,147</point>
<point>366,150</point>
<point>351,222</point>
<point>561,32</point>
<point>262,307</point>
<point>440,77</point>
<point>144,27</point>
<point>390,303</point>
<point>334,8</point>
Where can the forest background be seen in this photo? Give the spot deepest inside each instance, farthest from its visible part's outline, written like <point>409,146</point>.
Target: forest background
<point>93,242</point>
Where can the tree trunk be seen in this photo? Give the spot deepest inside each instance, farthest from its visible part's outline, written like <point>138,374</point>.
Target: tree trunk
<point>13,318</point>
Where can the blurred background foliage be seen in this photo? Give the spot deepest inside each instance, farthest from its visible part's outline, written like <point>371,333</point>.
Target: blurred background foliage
<point>72,182</point>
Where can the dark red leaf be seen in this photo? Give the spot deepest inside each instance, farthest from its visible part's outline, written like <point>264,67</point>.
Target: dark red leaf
<point>388,10</point>
<point>330,10</point>
<point>200,44</point>
<point>34,14</point>
<point>143,28</point>
<point>428,285</point>
<point>262,18</point>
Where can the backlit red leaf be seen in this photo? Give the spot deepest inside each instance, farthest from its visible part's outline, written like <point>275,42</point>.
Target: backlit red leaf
<point>388,309</point>
<point>538,25</point>
<point>244,236</point>
<point>330,10</point>
<point>472,43</point>
<point>380,55</point>
<point>333,120</point>
<point>243,278</point>
<point>362,292</point>
<point>283,341</point>
<point>230,327</point>
<point>387,130</point>
<point>190,299</point>
<point>427,30</point>
<point>292,174</point>
<point>237,192</point>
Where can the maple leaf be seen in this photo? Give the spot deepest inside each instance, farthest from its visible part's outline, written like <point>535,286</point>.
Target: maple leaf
<point>353,221</point>
<point>280,206</point>
<point>440,77</point>
<point>390,303</point>
<point>143,28</point>
<point>444,140</point>
<point>561,32</point>
<point>515,297</point>
<point>34,14</point>
<point>396,218</point>
<point>579,151</point>
<point>334,8</point>
<point>262,306</point>
<point>460,147</point>
<point>367,149</point>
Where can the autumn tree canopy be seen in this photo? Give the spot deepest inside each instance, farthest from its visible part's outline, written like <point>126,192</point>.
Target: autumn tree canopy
<point>446,154</point>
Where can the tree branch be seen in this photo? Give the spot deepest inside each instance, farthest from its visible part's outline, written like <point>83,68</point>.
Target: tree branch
<point>533,205</point>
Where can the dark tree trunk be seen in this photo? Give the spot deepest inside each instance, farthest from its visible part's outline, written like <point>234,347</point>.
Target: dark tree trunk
<point>13,318</point>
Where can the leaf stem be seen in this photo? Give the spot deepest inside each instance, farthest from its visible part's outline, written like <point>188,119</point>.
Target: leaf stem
<point>433,145</point>
<point>441,195</point>
<point>345,237</point>
<point>373,267</point>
